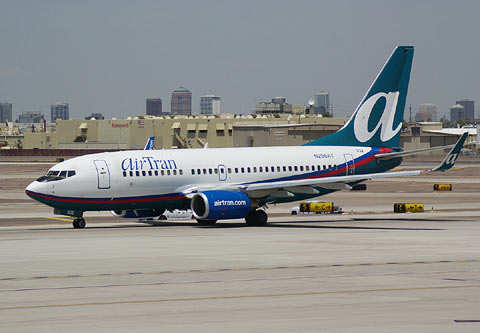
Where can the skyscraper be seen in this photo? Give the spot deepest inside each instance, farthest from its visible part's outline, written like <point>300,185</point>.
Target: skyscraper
<point>5,112</point>
<point>154,106</point>
<point>469,108</point>
<point>321,102</point>
<point>59,111</point>
<point>209,104</point>
<point>457,112</point>
<point>181,101</point>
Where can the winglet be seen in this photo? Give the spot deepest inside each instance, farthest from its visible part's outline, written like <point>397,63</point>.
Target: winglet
<point>150,143</point>
<point>452,156</point>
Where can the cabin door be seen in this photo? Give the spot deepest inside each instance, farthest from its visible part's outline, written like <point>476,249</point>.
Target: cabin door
<point>349,164</point>
<point>103,174</point>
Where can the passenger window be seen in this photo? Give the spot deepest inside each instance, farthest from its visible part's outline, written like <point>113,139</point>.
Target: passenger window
<point>199,172</point>
<point>163,172</point>
<point>204,171</point>
<point>295,168</point>
<point>248,169</point>
<point>174,172</point>
<point>131,173</point>
<point>156,172</point>
<point>319,167</point>
<point>307,168</point>
<point>289,168</point>
<point>243,170</point>
<point>236,170</point>
<point>143,173</point>
<point>229,170</point>
<point>168,172</point>
<point>216,171</point>
<point>137,173</point>
<point>284,169</point>
<point>149,172</point>
<point>260,169</point>
<point>301,167</point>
<point>254,169</point>
<point>124,174</point>
<point>181,172</point>
<point>193,171</point>
<point>210,171</point>
<point>324,167</point>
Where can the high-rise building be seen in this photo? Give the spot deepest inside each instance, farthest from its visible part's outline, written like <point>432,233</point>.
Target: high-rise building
<point>32,117</point>
<point>457,112</point>
<point>469,108</point>
<point>209,104</point>
<point>321,103</point>
<point>181,102</point>
<point>5,112</point>
<point>154,106</point>
<point>277,105</point>
<point>59,111</point>
<point>426,112</point>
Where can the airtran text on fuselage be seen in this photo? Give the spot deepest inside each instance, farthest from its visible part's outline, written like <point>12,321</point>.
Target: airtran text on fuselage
<point>148,163</point>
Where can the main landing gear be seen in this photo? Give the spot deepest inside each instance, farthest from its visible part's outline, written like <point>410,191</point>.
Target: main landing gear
<point>257,218</point>
<point>79,223</point>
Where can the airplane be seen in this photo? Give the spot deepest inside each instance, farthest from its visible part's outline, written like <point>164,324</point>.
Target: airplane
<point>239,183</point>
<point>150,145</point>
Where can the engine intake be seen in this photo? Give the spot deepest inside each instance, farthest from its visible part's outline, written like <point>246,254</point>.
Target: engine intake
<point>220,205</point>
<point>137,213</point>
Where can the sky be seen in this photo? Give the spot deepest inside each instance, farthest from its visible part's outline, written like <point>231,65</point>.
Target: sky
<point>109,56</point>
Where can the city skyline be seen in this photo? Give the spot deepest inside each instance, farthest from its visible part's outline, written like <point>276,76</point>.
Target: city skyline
<point>108,57</point>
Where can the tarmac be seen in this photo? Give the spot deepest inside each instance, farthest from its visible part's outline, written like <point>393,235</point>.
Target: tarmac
<point>367,270</point>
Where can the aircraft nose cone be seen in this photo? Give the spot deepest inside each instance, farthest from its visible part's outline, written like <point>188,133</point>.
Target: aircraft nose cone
<point>34,187</point>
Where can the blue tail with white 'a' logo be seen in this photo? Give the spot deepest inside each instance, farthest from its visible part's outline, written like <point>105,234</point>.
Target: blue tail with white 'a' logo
<point>377,120</point>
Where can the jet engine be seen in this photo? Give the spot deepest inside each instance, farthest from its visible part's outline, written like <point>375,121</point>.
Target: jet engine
<point>220,205</point>
<point>137,213</point>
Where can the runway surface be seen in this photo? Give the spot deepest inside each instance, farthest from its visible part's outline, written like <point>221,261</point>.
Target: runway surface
<point>368,270</point>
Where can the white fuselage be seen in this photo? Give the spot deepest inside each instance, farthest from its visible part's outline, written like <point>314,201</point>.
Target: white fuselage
<point>120,177</point>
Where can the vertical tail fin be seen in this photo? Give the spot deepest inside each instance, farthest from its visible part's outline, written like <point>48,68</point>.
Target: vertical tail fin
<point>150,143</point>
<point>377,120</point>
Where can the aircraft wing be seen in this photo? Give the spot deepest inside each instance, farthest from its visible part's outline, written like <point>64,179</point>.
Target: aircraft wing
<point>337,182</point>
<point>259,189</point>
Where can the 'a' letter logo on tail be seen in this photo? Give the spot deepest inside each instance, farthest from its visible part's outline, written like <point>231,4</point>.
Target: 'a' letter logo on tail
<point>362,116</point>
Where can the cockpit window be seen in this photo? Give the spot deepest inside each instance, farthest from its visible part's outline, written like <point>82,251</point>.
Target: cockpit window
<point>54,175</point>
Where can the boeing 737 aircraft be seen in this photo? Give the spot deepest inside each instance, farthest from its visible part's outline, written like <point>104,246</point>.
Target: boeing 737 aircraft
<point>234,183</point>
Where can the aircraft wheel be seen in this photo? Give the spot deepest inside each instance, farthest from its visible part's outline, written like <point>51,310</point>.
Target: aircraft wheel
<point>257,218</point>
<point>79,223</point>
<point>206,222</point>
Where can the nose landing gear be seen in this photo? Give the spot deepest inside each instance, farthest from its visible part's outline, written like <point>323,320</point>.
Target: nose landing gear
<point>79,223</point>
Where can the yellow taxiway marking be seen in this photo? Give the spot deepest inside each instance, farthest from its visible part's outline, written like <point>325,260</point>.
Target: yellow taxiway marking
<point>239,269</point>
<point>210,298</point>
<point>59,218</point>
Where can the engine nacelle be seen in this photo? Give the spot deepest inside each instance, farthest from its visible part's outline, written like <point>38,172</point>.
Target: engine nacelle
<point>220,205</point>
<point>137,213</point>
